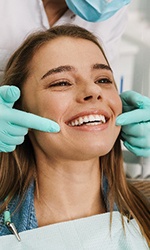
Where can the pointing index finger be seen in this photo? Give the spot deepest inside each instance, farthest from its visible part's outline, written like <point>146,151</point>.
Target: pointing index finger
<point>32,121</point>
<point>134,116</point>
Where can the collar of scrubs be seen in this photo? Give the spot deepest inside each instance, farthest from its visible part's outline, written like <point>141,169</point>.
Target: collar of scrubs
<point>87,233</point>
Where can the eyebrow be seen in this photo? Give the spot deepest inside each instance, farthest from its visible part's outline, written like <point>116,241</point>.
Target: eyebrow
<point>68,68</point>
<point>59,69</point>
<point>101,66</point>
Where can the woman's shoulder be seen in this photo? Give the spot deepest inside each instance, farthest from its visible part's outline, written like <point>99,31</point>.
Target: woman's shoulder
<point>22,215</point>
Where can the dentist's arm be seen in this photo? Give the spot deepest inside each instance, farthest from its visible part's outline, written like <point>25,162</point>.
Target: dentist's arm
<point>135,122</point>
<point>14,124</point>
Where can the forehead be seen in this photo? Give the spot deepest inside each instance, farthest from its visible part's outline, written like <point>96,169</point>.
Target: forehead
<point>68,50</point>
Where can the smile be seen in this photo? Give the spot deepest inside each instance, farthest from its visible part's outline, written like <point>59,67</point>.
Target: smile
<point>89,120</point>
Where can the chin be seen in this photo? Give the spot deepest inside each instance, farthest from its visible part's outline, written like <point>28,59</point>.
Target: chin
<point>94,151</point>
<point>102,147</point>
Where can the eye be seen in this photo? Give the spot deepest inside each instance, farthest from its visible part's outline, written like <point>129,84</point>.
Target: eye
<point>60,84</point>
<point>104,81</point>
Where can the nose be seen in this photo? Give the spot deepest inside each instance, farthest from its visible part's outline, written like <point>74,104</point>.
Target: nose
<point>86,98</point>
<point>89,92</point>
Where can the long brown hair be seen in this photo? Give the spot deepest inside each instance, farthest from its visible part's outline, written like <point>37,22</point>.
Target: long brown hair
<point>20,164</point>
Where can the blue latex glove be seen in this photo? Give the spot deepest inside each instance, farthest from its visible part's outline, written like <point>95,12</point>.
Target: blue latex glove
<point>96,10</point>
<point>135,122</point>
<point>14,124</point>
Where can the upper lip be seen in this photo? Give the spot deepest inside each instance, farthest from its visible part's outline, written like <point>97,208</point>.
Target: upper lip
<point>89,112</point>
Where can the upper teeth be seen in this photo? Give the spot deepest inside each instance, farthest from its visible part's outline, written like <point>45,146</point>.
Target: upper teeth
<point>88,118</point>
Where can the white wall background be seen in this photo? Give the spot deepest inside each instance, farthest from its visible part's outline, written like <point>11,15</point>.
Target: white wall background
<point>135,49</point>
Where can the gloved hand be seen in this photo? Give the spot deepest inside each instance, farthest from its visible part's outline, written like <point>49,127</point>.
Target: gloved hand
<point>14,124</point>
<point>135,122</point>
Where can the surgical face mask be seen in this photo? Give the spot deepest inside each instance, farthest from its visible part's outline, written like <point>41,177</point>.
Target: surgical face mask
<point>96,10</point>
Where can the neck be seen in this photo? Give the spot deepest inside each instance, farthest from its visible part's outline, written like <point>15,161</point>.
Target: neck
<point>68,191</point>
<point>54,10</point>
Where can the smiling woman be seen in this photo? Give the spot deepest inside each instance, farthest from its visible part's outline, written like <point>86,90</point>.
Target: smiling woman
<point>64,75</point>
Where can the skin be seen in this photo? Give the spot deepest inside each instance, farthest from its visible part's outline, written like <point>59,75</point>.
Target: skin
<point>54,10</point>
<point>68,169</point>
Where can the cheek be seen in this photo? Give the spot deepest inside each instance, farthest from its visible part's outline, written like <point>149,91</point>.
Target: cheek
<point>46,104</point>
<point>115,103</point>
<point>117,109</point>
<point>52,106</point>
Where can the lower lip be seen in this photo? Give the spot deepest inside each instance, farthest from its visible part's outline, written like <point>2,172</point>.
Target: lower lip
<point>92,128</point>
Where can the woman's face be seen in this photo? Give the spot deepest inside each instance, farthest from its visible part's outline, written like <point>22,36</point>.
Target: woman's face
<point>72,84</point>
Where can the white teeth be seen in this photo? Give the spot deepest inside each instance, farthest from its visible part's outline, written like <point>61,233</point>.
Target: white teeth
<point>76,122</point>
<point>85,119</point>
<point>97,117</point>
<point>91,118</point>
<point>93,123</point>
<point>80,121</point>
<point>73,124</point>
<point>88,120</point>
